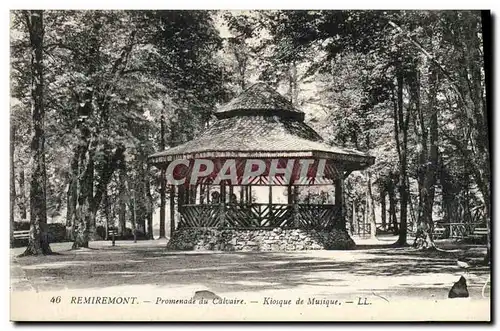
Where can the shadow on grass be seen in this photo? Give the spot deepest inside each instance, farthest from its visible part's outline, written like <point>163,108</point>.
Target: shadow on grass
<point>227,271</point>
<point>368,247</point>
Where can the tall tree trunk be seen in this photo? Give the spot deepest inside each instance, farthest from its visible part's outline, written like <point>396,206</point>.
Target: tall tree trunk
<point>71,198</point>
<point>140,198</point>
<point>163,183</point>
<point>122,209</point>
<point>428,165</point>
<point>340,224</point>
<point>90,193</point>
<point>403,193</point>
<point>133,215</point>
<point>486,29</point>
<point>92,102</point>
<point>172,210</point>
<point>12,181</point>
<point>401,129</point>
<point>430,180</point>
<point>84,181</point>
<point>383,207</point>
<point>413,216</point>
<point>84,214</point>
<point>22,205</point>
<point>366,215</point>
<point>392,209</point>
<point>88,203</point>
<point>371,209</point>
<point>163,202</point>
<point>149,209</point>
<point>423,236</point>
<point>107,214</point>
<point>38,239</point>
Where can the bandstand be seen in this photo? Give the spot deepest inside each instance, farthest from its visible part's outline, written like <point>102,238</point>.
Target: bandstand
<point>258,132</point>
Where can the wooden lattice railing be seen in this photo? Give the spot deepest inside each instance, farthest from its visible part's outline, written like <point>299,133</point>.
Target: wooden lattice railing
<point>460,230</point>
<point>259,215</point>
<point>194,216</point>
<point>317,216</point>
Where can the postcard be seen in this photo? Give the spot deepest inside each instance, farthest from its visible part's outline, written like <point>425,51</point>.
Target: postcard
<point>258,165</point>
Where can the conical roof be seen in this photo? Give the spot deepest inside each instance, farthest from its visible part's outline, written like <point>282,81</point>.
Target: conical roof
<point>261,123</point>
<point>259,99</point>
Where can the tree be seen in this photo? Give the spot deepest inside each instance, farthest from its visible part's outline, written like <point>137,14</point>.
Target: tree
<point>400,56</point>
<point>401,85</point>
<point>12,181</point>
<point>108,68</point>
<point>38,239</point>
<point>428,165</point>
<point>163,178</point>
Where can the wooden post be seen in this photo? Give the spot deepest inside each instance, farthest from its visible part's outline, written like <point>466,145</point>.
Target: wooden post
<point>180,193</point>
<point>295,206</point>
<point>231,192</point>
<point>207,191</point>
<point>202,194</point>
<point>290,203</point>
<point>222,196</point>
<point>242,194</point>
<point>289,193</point>
<point>270,204</point>
<point>339,197</point>
<point>222,204</point>
<point>172,210</point>
<point>163,187</point>
<point>295,194</point>
<point>192,194</point>
<point>249,194</point>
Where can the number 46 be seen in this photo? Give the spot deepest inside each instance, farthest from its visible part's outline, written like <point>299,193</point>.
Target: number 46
<point>55,300</point>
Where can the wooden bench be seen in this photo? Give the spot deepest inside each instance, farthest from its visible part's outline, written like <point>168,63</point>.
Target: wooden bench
<point>112,232</point>
<point>22,234</point>
<point>439,232</point>
<point>480,232</point>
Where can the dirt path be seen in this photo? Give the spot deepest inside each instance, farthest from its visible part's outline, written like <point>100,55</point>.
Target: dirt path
<point>388,272</point>
<point>397,283</point>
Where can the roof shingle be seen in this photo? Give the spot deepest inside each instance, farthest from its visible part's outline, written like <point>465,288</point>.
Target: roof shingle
<point>270,132</point>
<point>259,99</point>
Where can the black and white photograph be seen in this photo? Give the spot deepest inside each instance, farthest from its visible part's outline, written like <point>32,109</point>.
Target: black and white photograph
<point>250,165</point>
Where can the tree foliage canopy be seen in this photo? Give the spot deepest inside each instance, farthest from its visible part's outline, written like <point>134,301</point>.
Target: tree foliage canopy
<point>407,86</point>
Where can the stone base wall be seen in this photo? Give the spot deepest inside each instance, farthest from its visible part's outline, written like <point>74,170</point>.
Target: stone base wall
<point>259,239</point>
